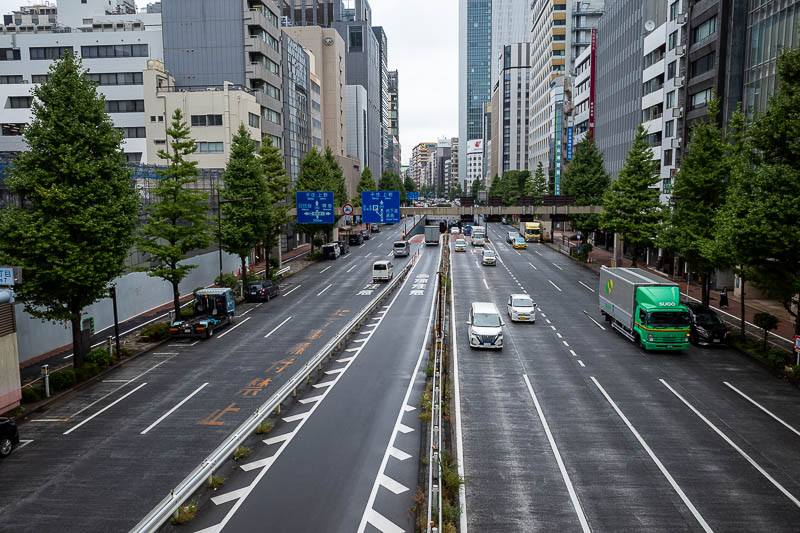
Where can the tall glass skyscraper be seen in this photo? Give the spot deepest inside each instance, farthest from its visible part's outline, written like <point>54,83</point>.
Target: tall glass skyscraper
<point>474,72</point>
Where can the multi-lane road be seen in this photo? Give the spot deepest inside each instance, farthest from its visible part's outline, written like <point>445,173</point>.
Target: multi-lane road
<point>570,427</point>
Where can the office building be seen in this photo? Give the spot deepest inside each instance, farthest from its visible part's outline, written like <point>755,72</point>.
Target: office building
<point>619,78</point>
<point>383,90</point>
<point>560,31</point>
<point>296,106</point>
<point>474,70</point>
<point>583,97</point>
<point>208,42</point>
<point>771,25</point>
<point>114,43</point>
<point>474,164</point>
<point>316,104</point>
<point>513,99</point>
<point>420,157</point>
<point>454,156</point>
<point>393,154</point>
<point>311,12</point>
<point>328,49</point>
<point>357,124</point>
<point>213,114</point>
<point>510,24</point>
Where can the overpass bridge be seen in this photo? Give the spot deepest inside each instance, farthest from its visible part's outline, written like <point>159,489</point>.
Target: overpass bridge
<point>541,211</point>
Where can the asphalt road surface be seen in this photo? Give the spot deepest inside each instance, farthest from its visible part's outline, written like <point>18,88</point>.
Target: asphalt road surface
<point>347,458</point>
<point>102,459</point>
<point>571,427</point>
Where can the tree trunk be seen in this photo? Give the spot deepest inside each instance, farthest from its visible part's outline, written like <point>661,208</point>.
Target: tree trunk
<point>244,270</point>
<point>741,297</point>
<point>176,299</point>
<point>268,265</point>
<point>706,290</point>
<point>77,342</point>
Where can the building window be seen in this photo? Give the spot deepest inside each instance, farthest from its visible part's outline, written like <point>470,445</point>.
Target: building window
<point>50,52</point>
<point>671,99</point>
<point>654,57</point>
<point>12,130</point>
<point>19,102</point>
<point>667,158</point>
<point>133,157</point>
<point>272,91</point>
<point>125,106</point>
<point>653,84</point>
<point>669,128</point>
<point>355,39</point>
<point>673,40</point>
<point>674,10</point>
<point>206,120</point>
<point>272,116</point>
<point>116,78</point>
<point>254,121</point>
<point>40,78</point>
<point>12,79</point>
<point>137,132</point>
<point>160,141</point>
<point>276,141</point>
<point>9,54</point>
<point>699,99</point>
<point>705,29</point>
<point>273,67</point>
<point>704,64</point>
<point>114,50</point>
<point>210,147</point>
<point>672,68</point>
<point>559,37</point>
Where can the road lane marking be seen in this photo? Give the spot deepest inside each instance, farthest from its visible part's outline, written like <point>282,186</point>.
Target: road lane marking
<point>547,320</point>
<point>278,327</point>
<point>392,484</point>
<point>585,285</point>
<point>655,459</point>
<point>295,418</point>
<point>485,284</point>
<point>351,268</point>
<point>325,289</point>
<point>749,399</point>
<point>554,285</point>
<point>519,254</point>
<point>462,491</point>
<point>559,335</point>
<point>381,523</point>
<point>104,409</point>
<point>311,400</point>
<point>593,320</point>
<point>261,463</point>
<point>573,353</point>
<point>165,415</point>
<point>564,475</point>
<point>558,267</point>
<point>398,454</point>
<point>234,327</point>
<point>325,269</point>
<point>581,363</point>
<point>733,445</point>
<point>291,291</point>
<point>553,328</point>
<point>532,265</point>
<point>239,315</point>
<point>540,253</point>
<point>230,496</point>
<point>279,438</point>
<point>565,344</point>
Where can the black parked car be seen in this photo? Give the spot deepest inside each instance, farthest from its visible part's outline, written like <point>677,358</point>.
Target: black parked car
<point>365,234</point>
<point>344,247</point>
<point>355,239</point>
<point>9,436</point>
<point>261,290</point>
<point>707,326</point>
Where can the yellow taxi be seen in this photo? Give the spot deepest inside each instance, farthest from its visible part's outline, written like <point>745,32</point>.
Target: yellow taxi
<point>519,243</point>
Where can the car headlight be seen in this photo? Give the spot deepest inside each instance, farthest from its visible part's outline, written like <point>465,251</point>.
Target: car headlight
<point>499,340</point>
<point>650,337</point>
<point>473,339</point>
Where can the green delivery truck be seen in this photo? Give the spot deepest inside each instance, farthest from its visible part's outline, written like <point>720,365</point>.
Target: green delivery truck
<point>645,308</point>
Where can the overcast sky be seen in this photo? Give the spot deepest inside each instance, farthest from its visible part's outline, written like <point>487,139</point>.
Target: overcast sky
<point>423,47</point>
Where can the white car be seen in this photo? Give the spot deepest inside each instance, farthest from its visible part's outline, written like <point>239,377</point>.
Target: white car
<point>455,231</point>
<point>461,245</point>
<point>521,308</point>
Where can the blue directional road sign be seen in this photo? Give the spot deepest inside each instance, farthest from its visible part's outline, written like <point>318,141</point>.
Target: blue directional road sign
<point>314,207</point>
<point>412,196</point>
<point>380,206</point>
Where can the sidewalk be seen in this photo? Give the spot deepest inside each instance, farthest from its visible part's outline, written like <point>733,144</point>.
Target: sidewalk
<point>600,257</point>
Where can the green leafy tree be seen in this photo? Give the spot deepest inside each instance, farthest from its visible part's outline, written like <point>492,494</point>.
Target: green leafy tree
<point>277,183</point>
<point>315,175</point>
<point>496,187</point>
<point>338,182</point>
<point>631,206</point>
<point>366,183</point>
<point>586,179</point>
<point>698,193</point>
<point>409,185</point>
<point>456,192</point>
<point>536,185</point>
<point>178,222</point>
<point>775,135</point>
<point>244,222</point>
<point>77,225</point>
<point>477,185</point>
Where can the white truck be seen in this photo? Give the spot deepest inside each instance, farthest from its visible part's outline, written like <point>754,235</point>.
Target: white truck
<point>478,235</point>
<point>432,235</point>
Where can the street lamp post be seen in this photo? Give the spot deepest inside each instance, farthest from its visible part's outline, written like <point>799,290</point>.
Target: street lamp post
<point>219,226</point>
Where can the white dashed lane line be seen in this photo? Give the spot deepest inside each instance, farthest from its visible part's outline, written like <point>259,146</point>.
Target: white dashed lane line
<point>554,285</point>
<point>585,285</point>
<point>558,267</point>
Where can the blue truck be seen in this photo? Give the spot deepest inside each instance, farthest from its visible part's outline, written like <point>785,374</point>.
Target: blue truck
<point>213,309</point>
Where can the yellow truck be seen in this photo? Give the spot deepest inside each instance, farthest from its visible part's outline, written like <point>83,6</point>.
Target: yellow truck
<point>531,231</point>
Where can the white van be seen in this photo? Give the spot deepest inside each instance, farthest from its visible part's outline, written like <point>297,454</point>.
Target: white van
<point>382,270</point>
<point>485,326</point>
<point>400,248</point>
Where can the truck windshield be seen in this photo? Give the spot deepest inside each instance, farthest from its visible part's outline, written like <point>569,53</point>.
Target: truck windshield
<point>668,318</point>
<point>532,231</point>
<point>478,235</point>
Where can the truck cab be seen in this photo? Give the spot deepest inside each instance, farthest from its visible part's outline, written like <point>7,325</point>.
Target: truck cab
<point>478,236</point>
<point>531,231</point>
<point>213,308</point>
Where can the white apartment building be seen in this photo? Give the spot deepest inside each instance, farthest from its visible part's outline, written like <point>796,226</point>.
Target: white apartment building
<point>114,43</point>
<point>474,164</point>
<point>212,113</point>
<point>356,123</point>
<point>662,81</point>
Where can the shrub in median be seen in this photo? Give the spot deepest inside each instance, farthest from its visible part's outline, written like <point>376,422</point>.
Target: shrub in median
<point>185,513</point>
<point>88,370</point>
<point>228,280</point>
<point>100,357</point>
<point>155,332</point>
<point>34,394</point>
<point>62,379</point>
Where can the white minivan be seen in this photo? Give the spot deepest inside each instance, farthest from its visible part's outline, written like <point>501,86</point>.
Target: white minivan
<point>382,270</point>
<point>400,249</point>
<point>485,326</point>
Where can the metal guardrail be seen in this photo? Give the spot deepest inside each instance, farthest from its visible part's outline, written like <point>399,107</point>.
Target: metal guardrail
<point>184,490</point>
<point>435,444</point>
<point>283,271</point>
